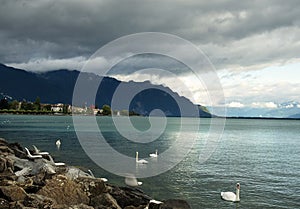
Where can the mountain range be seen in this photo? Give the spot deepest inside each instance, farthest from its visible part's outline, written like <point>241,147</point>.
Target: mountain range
<point>58,86</point>
<point>288,109</point>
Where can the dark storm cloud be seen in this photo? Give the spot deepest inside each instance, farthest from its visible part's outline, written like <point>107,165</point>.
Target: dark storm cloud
<point>226,30</point>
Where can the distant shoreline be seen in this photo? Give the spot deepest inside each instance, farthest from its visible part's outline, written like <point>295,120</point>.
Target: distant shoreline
<point>61,114</point>
<point>263,118</point>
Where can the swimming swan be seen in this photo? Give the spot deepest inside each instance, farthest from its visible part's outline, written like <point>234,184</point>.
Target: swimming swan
<point>132,181</point>
<point>230,196</point>
<point>58,143</point>
<point>154,154</point>
<point>141,161</point>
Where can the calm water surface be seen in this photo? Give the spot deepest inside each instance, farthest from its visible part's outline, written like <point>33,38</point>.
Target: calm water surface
<point>263,155</point>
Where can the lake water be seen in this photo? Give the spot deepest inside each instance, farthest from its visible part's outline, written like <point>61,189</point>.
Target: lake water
<point>262,155</point>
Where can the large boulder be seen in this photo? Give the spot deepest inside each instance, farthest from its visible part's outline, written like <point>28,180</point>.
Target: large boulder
<point>133,207</point>
<point>3,142</point>
<point>4,204</point>
<point>64,191</point>
<point>153,204</point>
<point>38,201</point>
<point>92,186</point>
<point>126,196</point>
<point>18,150</point>
<point>80,206</point>
<point>3,166</point>
<point>104,200</point>
<point>27,183</point>
<point>12,193</point>
<point>175,204</point>
<point>5,150</point>
<point>6,163</point>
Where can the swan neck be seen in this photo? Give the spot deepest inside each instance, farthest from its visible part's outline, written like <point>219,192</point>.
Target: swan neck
<point>237,198</point>
<point>136,156</point>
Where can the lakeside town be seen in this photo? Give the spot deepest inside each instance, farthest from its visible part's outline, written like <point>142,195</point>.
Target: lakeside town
<point>38,108</point>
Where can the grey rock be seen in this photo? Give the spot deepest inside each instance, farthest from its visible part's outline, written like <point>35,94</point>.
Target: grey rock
<point>175,204</point>
<point>38,201</point>
<point>126,196</point>
<point>74,173</point>
<point>12,193</point>
<point>64,191</point>
<point>4,204</point>
<point>106,200</point>
<point>27,183</point>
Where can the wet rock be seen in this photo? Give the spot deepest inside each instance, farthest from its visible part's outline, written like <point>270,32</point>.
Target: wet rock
<point>126,196</point>
<point>18,205</point>
<point>175,204</point>
<point>39,179</point>
<point>81,206</point>
<point>4,204</point>
<point>64,191</point>
<point>153,204</point>
<point>104,200</point>
<point>35,167</point>
<point>12,193</point>
<point>6,164</point>
<point>7,176</point>
<point>74,173</point>
<point>3,141</point>
<point>5,151</point>
<point>2,164</point>
<point>38,201</point>
<point>32,184</point>
<point>4,148</point>
<point>17,150</point>
<point>27,183</point>
<point>92,186</point>
<point>7,182</point>
<point>133,207</point>
<point>10,163</point>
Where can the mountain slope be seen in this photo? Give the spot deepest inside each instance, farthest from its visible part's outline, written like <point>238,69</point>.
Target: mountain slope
<point>57,87</point>
<point>290,109</point>
<point>295,116</point>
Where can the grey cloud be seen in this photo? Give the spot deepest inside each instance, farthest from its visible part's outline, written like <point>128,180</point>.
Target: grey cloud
<point>66,29</point>
<point>148,61</point>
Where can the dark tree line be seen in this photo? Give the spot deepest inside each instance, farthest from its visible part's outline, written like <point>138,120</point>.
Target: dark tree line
<point>36,107</point>
<point>24,106</point>
<point>4,104</point>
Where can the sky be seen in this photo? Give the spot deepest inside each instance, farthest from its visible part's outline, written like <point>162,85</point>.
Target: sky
<point>254,46</point>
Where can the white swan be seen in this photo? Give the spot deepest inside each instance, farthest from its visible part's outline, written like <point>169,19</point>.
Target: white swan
<point>92,174</point>
<point>132,181</point>
<point>141,161</point>
<point>54,163</point>
<point>230,196</point>
<point>58,143</point>
<point>32,156</point>
<point>38,152</point>
<point>154,204</point>
<point>153,154</point>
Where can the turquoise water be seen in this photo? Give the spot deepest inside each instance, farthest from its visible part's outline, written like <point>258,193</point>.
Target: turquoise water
<point>262,155</point>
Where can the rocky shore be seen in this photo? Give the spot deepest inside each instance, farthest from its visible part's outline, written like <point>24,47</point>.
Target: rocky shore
<point>39,183</point>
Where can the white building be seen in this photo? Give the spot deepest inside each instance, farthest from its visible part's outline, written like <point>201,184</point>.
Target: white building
<point>57,107</point>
